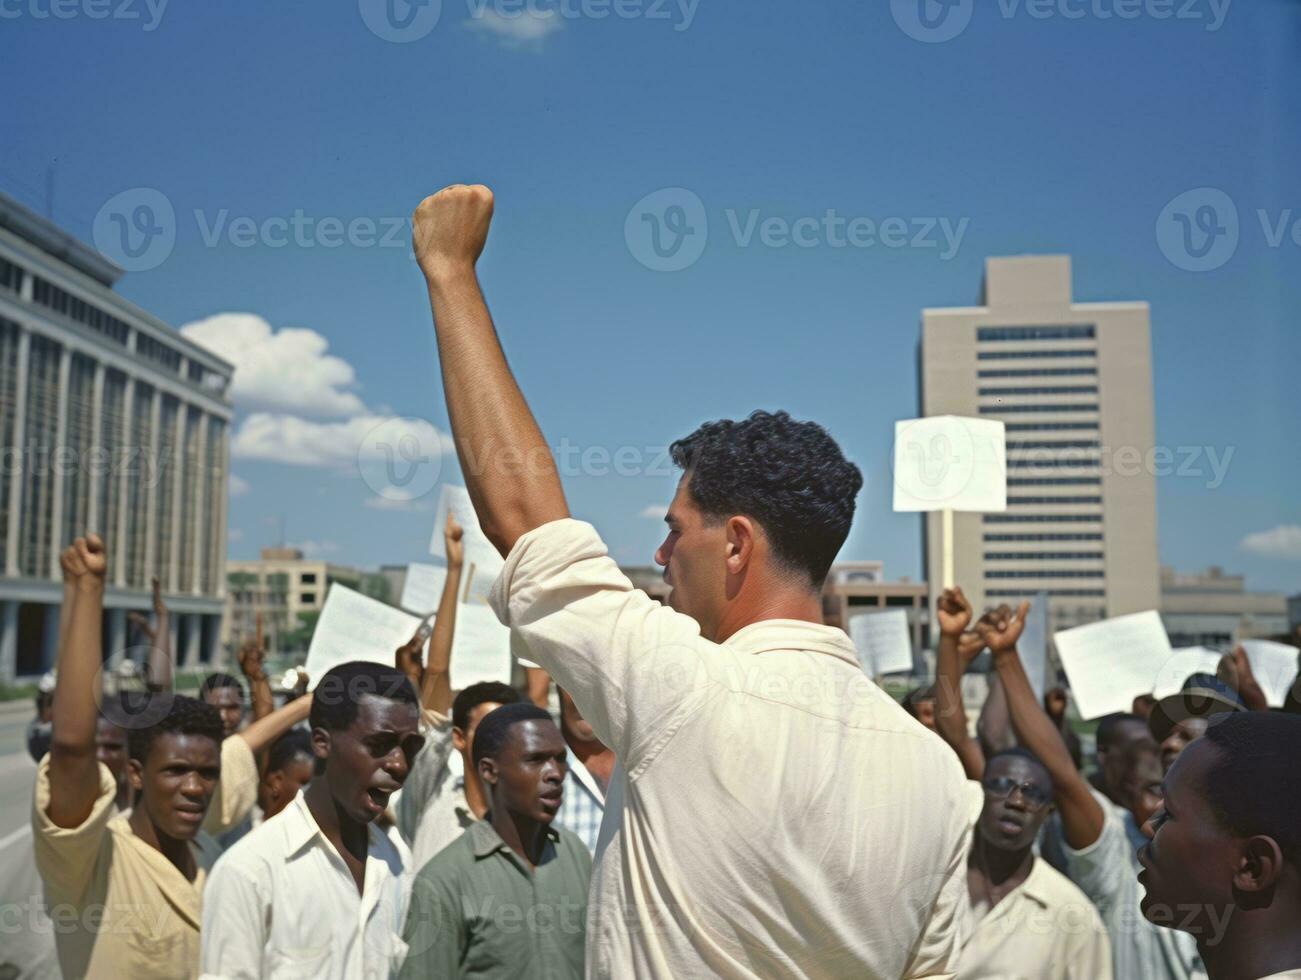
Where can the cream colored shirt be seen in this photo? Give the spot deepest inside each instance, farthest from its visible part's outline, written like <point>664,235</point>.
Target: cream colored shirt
<point>119,907</point>
<point>236,791</point>
<point>777,814</point>
<point>1044,929</point>
<point>281,903</point>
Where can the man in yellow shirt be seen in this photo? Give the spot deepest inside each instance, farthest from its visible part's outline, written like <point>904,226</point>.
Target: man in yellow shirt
<point>122,891</point>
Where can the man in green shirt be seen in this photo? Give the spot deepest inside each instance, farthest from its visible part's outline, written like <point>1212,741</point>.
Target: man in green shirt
<point>509,897</point>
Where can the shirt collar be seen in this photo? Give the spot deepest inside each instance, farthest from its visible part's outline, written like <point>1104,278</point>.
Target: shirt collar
<point>485,840</point>
<point>585,778</point>
<point>301,829</point>
<point>793,634</point>
<point>1036,885</point>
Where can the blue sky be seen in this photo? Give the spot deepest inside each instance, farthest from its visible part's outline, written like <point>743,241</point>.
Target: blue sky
<point>1043,131</point>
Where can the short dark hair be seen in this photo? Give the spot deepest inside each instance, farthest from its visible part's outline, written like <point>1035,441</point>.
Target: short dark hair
<point>485,692</point>
<point>1254,783</point>
<point>1109,728</point>
<point>219,680</point>
<point>917,694</point>
<point>287,747</point>
<point>494,729</point>
<point>185,716</point>
<point>789,476</point>
<point>1020,752</point>
<point>337,698</point>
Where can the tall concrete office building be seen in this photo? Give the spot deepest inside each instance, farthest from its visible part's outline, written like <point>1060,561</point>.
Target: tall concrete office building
<point>1073,384</point>
<point>109,421</point>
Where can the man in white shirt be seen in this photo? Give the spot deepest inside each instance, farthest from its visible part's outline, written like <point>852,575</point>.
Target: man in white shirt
<point>319,890</point>
<point>1224,862</point>
<point>777,813</point>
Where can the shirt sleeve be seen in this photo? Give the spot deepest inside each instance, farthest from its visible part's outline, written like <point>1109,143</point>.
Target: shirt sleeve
<point>435,931</point>
<point>633,667</point>
<point>66,856</point>
<point>236,790</point>
<point>427,774</point>
<point>949,925</point>
<point>234,932</point>
<point>1099,869</point>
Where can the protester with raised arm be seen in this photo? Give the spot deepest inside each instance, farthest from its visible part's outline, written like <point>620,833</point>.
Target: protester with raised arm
<point>777,813</point>
<point>133,882</point>
<point>1224,862</point>
<point>1101,839</point>
<point>158,665</point>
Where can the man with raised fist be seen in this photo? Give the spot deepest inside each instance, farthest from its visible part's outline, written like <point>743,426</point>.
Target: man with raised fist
<point>774,812</point>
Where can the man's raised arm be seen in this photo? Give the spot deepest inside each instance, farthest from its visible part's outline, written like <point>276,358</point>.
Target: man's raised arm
<point>506,464</point>
<point>957,648</point>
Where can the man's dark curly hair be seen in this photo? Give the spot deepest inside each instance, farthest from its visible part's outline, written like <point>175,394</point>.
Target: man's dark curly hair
<point>336,701</point>
<point>185,716</point>
<point>493,731</point>
<point>1253,784</point>
<point>484,692</point>
<point>788,476</point>
<point>219,680</point>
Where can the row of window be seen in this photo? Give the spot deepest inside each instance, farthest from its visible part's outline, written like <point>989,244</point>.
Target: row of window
<point>1027,409</point>
<point>1037,372</point>
<point>1051,573</point>
<point>1055,481</point>
<point>1030,501</point>
<point>1053,332</point>
<point>1066,593</point>
<point>1062,462</point>
<point>158,352</point>
<point>1042,555</point>
<point>1041,390</point>
<point>60,301</point>
<point>1052,427</point>
<point>1064,444</point>
<point>11,276</point>
<point>1042,518</point>
<point>1021,355</point>
<point>1090,536</point>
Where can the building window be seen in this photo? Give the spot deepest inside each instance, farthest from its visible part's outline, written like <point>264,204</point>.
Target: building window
<point>1029,501</point>
<point>53,298</point>
<point>1067,593</point>
<point>158,352</point>
<point>1055,481</point>
<point>1052,427</point>
<point>307,578</point>
<point>1042,518</point>
<point>1065,444</point>
<point>1043,555</point>
<point>11,276</point>
<point>1020,355</point>
<point>1050,390</point>
<point>308,598</point>
<point>1050,573</point>
<point>1028,409</point>
<point>1060,332</point>
<point>1037,372</point>
<point>1043,537</point>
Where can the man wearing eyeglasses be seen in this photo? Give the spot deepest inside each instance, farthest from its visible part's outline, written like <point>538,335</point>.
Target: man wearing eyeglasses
<point>1029,920</point>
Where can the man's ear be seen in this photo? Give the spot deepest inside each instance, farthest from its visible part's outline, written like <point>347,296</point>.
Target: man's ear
<point>488,771</point>
<point>741,532</point>
<point>458,740</point>
<point>1259,864</point>
<point>135,774</point>
<point>321,742</point>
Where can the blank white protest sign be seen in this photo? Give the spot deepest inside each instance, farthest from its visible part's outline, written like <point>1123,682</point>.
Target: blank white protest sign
<point>882,642</point>
<point>423,588</point>
<point>1111,662</point>
<point>947,462</point>
<point>1274,665</point>
<point>356,627</point>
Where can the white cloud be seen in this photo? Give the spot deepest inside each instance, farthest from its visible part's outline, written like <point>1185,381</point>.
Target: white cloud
<point>238,486</point>
<point>653,512</point>
<point>286,370</point>
<point>311,549</point>
<point>296,441</point>
<point>234,534</point>
<point>1283,541</point>
<point>516,30</point>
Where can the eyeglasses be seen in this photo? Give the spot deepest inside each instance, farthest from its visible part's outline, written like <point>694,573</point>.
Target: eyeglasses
<point>1001,787</point>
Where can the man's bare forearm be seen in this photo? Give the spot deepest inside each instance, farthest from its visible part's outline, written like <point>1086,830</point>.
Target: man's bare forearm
<point>158,668</point>
<point>950,712</point>
<point>505,460</point>
<point>261,733</point>
<point>994,727</point>
<point>436,686</point>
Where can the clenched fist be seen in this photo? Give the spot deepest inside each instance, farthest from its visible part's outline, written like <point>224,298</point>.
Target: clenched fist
<point>84,563</point>
<point>448,230</point>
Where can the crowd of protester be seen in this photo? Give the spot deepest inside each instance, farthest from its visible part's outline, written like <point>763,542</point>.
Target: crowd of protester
<point>721,792</point>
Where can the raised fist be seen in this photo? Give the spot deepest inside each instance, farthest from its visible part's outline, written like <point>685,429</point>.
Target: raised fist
<point>84,562</point>
<point>953,611</point>
<point>448,230</point>
<point>455,547</point>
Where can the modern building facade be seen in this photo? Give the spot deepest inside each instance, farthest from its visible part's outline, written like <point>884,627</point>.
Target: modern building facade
<point>110,421</point>
<point>1073,384</point>
<point>1211,609</point>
